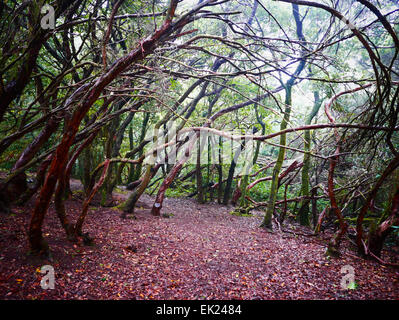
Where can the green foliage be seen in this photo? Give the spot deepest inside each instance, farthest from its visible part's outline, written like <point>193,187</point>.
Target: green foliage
<point>242,212</point>
<point>178,190</point>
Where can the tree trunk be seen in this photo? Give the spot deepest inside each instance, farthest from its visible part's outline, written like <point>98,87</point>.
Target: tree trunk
<point>156,208</point>
<point>314,206</point>
<point>220,170</point>
<point>137,173</point>
<point>79,222</point>
<point>37,243</point>
<point>378,236</point>
<point>86,167</point>
<point>227,190</point>
<point>267,221</point>
<point>303,214</point>
<point>245,180</point>
<point>393,164</point>
<point>59,203</point>
<point>333,245</point>
<point>198,174</point>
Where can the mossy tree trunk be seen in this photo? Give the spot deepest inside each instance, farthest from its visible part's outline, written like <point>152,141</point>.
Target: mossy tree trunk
<point>91,94</point>
<point>377,236</point>
<point>245,179</point>
<point>110,137</point>
<point>128,205</point>
<point>303,213</point>
<point>198,173</point>
<point>227,190</point>
<point>137,172</point>
<point>220,170</point>
<point>267,221</point>
<point>85,166</point>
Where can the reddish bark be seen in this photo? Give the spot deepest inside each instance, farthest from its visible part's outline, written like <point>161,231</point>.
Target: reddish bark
<point>157,206</point>
<point>359,223</point>
<point>236,195</point>
<point>59,202</point>
<point>289,130</point>
<point>262,138</point>
<point>334,243</point>
<point>377,238</point>
<point>333,246</point>
<point>146,47</point>
<point>166,183</point>
<point>79,222</point>
<point>320,220</point>
<point>290,168</point>
<point>40,176</point>
<point>253,184</point>
<point>37,243</point>
<point>36,144</point>
<point>108,33</point>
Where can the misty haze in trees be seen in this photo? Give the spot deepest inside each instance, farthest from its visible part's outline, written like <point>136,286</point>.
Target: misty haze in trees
<point>289,107</point>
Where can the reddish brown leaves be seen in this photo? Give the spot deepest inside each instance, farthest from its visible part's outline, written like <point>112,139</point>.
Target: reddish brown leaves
<point>199,252</point>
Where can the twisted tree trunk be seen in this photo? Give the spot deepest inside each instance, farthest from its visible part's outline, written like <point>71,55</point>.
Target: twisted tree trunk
<point>267,220</point>
<point>377,237</point>
<point>37,243</point>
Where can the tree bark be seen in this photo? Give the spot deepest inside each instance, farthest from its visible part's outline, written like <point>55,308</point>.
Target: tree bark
<point>230,176</point>
<point>377,237</point>
<point>198,174</point>
<point>303,213</point>
<point>267,221</point>
<point>146,47</point>
<point>79,222</point>
<point>392,166</point>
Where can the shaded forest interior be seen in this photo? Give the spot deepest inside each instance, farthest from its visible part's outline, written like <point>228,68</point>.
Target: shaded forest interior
<point>275,122</point>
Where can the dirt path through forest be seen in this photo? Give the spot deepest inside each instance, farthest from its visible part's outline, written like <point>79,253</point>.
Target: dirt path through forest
<point>198,252</point>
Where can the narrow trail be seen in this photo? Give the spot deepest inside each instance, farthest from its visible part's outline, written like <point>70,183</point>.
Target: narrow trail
<point>198,252</point>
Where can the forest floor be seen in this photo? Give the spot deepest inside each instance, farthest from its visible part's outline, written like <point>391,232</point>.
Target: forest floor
<point>200,251</point>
